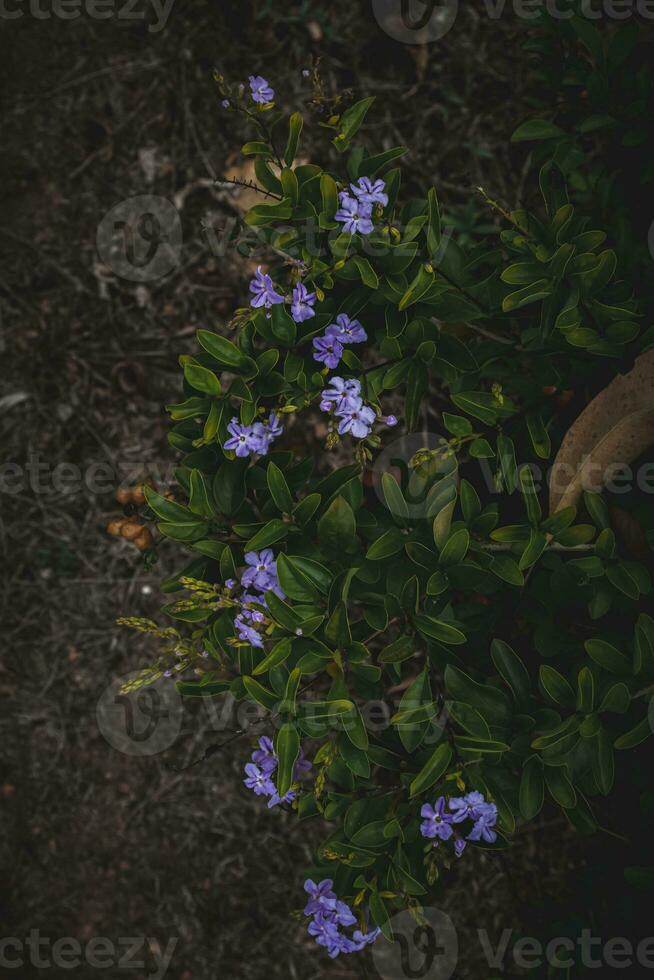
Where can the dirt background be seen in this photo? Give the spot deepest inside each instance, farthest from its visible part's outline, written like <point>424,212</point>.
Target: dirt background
<point>96,842</point>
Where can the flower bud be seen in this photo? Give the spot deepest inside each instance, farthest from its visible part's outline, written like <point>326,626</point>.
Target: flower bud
<point>115,527</point>
<point>131,530</point>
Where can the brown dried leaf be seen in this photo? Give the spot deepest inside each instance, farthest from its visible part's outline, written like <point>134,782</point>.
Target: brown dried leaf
<point>613,430</point>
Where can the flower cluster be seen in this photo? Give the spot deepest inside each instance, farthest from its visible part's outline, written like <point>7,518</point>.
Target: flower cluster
<point>356,208</point>
<point>439,822</point>
<point>260,770</point>
<point>343,397</point>
<point>265,295</point>
<point>259,577</point>
<point>255,438</point>
<point>328,916</point>
<point>329,348</point>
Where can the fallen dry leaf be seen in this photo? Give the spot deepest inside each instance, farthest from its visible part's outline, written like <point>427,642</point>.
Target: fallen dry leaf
<point>612,431</point>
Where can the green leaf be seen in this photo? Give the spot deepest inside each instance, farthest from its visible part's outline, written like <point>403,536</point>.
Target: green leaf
<point>279,490</point>
<point>270,533</point>
<point>329,192</point>
<point>355,728</point>
<point>507,460</point>
<point>436,629</point>
<point>455,549</point>
<point>507,569</point>
<point>492,704</point>
<point>168,510</point>
<point>226,353</point>
<point>432,771</point>
<point>294,583</point>
<point>559,786</point>
<point>202,379</point>
<point>337,528</point>
<point>287,747</point>
<point>528,490</point>
<point>379,916</point>
<point>536,129</point>
<point>634,736</point>
<point>367,273</point>
<point>282,325</point>
<point>337,630</point>
<point>617,699</point>
<point>295,124</point>
<point>532,788</point>
<point>350,122</point>
<point>434,224</point>
<point>556,687</point>
<point>423,280</point>
<point>394,497</point>
<point>229,486</point>
<point>607,656</point>
<point>585,691</point>
<point>355,759</point>
<point>260,694</point>
<point>387,544</point>
<point>512,670</point>
<point>277,656</point>
<point>200,498</point>
<point>481,405</point>
<point>602,761</point>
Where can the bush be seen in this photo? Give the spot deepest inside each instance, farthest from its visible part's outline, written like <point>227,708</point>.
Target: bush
<point>450,649</point>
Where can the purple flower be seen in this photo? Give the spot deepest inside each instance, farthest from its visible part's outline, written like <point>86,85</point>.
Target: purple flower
<point>265,756</point>
<point>340,394</point>
<point>471,806</point>
<point>370,192</point>
<point>247,633</point>
<point>364,939</point>
<point>436,821</point>
<point>328,350</point>
<point>276,799</point>
<point>326,934</point>
<point>264,293</point>
<point>242,441</point>
<point>343,914</point>
<point>261,570</point>
<point>261,90</point>
<point>303,303</point>
<point>225,103</point>
<point>459,846</point>
<point>329,913</point>
<point>482,829</point>
<point>251,615</point>
<point>357,419</point>
<point>390,421</point>
<point>258,780</point>
<point>264,433</point>
<point>346,331</point>
<point>318,893</point>
<point>355,215</point>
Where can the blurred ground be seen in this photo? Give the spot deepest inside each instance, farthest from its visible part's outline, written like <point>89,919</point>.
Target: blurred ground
<point>96,842</point>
